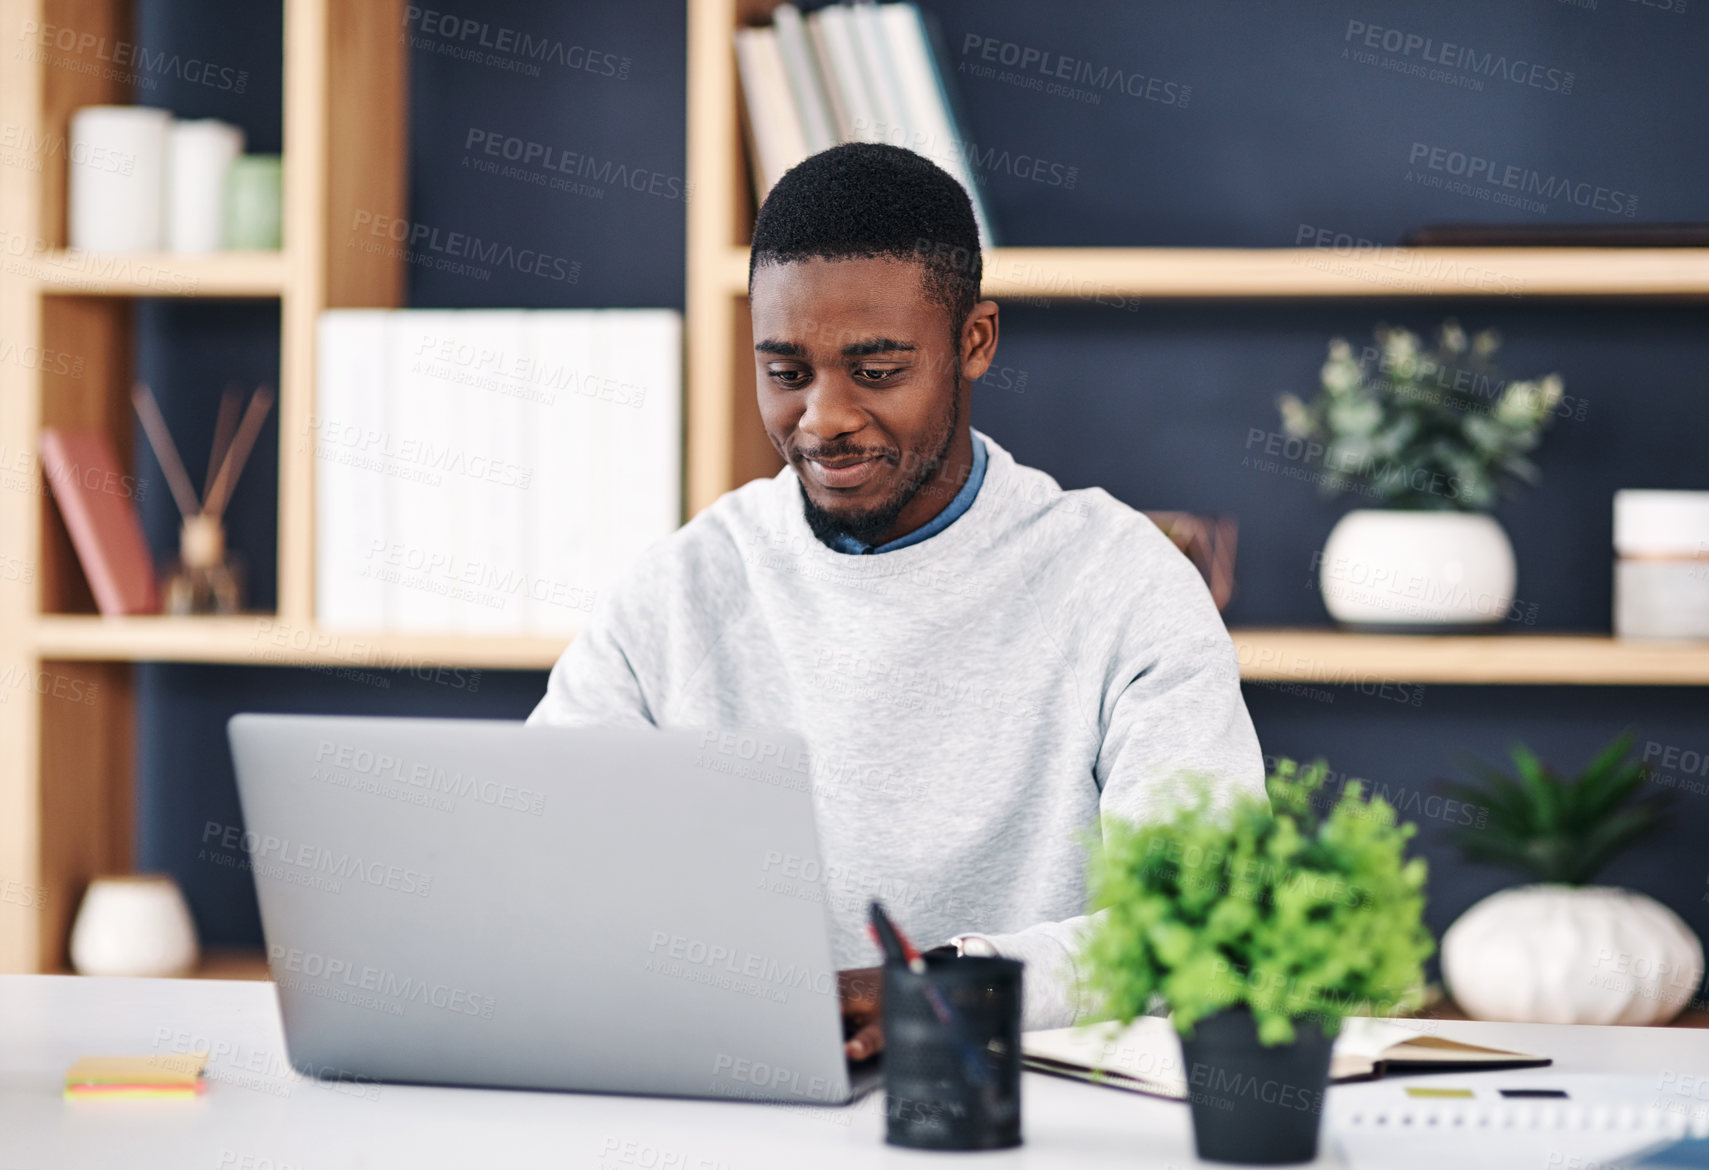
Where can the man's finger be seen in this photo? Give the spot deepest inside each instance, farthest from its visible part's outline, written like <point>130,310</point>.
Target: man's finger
<point>867,1041</point>
<point>858,987</point>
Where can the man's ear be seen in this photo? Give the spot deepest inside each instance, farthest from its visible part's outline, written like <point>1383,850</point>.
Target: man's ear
<point>979,340</point>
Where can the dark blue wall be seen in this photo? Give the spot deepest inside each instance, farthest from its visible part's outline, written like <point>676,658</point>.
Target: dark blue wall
<point>1282,128</point>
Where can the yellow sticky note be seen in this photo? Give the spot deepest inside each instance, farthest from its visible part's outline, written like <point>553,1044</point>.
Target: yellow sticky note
<point>162,1070</point>
<point>1420,1091</point>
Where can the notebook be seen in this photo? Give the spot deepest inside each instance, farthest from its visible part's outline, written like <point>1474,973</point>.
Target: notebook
<point>1145,1057</point>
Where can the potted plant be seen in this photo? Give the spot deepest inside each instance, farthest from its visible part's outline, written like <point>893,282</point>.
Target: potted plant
<point>1428,437</point>
<point>1261,926</point>
<point>1561,950</point>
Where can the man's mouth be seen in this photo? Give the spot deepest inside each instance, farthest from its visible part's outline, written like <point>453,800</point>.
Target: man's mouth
<point>842,471</point>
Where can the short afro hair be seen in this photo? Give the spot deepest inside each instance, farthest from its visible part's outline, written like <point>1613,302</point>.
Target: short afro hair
<point>870,200</point>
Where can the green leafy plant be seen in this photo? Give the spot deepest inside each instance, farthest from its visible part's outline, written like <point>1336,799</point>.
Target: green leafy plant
<point>1423,430</point>
<point>1557,829</point>
<point>1294,914</point>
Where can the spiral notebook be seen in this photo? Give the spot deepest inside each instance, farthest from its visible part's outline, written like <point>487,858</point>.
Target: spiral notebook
<point>1145,1056</point>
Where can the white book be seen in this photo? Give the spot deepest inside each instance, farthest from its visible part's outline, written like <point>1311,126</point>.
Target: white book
<point>836,103</point>
<point>777,131</point>
<point>489,476</point>
<point>564,442</point>
<point>352,365</point>
<point>805,85</point>
<point>932,129</point>
<point>839,57</point>
<point>882,85</point>
<point>417,564</point>
<point>644,346</point>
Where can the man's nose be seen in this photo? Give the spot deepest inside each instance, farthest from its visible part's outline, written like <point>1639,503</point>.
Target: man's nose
<point>830,413</point>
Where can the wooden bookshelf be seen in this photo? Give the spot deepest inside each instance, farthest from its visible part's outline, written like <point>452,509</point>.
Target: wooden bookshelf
<point>66,776</point>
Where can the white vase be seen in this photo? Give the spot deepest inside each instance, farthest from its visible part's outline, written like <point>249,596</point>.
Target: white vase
<point>134,925</point>
<point>1554,954</point>
<point>1417,569</point>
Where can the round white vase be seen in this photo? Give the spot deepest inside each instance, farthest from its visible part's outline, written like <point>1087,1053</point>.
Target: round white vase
<point>1417,569</point>
<point>134,925</point>
<point>1554,954</point>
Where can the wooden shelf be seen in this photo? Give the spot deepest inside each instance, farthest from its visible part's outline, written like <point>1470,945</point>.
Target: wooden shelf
<point>159,274</point>
<point>1321,657</point>
<point>1328,657</point>
<point>1110,274</point>
<point>266,640</point>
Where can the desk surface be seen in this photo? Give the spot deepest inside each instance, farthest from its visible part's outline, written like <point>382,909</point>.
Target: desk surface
<point>258,1114</point>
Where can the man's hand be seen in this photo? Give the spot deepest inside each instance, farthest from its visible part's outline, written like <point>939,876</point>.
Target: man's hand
<point>859,992</point>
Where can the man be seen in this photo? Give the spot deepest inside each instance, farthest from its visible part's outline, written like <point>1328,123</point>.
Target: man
<point>981,664</point>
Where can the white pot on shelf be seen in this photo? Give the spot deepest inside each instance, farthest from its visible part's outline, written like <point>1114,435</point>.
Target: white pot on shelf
<point>134,925</point>
<point>1417,569</point>
<point>1556,954</point>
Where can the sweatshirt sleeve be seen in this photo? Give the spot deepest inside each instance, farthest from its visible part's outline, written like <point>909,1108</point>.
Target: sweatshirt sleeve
<point>594,680</point>
<point>1170,708</point>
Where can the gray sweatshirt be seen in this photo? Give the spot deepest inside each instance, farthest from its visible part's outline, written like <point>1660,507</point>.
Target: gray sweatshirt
<point>972,704</point>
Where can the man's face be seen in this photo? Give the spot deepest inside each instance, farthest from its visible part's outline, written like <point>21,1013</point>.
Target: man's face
<point>864,389</point>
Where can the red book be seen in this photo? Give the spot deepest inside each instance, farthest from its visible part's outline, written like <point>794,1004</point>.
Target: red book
<point>97,499</point>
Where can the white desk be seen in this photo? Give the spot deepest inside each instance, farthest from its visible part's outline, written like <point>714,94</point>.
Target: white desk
<point>260,1115</point>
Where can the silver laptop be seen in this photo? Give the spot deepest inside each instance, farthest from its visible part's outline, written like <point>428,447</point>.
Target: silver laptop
<point>474,902</point>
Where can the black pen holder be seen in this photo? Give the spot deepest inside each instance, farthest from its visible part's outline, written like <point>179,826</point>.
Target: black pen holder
<point>953,1086</point>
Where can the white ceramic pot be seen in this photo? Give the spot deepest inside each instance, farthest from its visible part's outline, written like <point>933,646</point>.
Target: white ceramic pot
<point>1422,569</point>
<point>1553,954</point>
<point>134,925</point>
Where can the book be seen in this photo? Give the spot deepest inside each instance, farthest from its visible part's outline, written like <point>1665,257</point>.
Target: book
<point>348,436</point>
<point>643,348</point>
<point>564,446</point>
<point>486,480</point>
<point>430,374</point>
<point>878,70</point>
<point>806,85</point>
<point>1145,1057</point>
<point>97,499</point>
<point>775,128</point>
<point>839,58</point>
<point>934,124</point>
<point>842,115</point>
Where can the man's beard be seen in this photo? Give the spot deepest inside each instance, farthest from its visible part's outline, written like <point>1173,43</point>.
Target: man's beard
<point>870,526</point>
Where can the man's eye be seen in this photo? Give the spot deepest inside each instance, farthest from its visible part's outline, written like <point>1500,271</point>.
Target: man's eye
<point>877,376</point>
<point>789,377</point>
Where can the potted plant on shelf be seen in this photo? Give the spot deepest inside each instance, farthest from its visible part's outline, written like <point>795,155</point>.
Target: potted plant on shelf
<point>1261,926</point>
<point>1428,437</point>
<point>1563,951</point>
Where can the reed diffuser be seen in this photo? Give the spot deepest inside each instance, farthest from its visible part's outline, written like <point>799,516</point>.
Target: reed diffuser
<point>206,578</point>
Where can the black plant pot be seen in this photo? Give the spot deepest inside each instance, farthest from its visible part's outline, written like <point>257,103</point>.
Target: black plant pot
<point>1252,1104</point>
